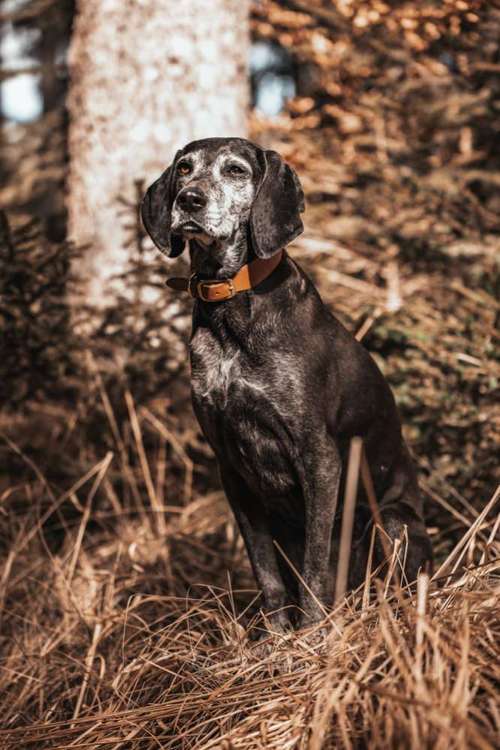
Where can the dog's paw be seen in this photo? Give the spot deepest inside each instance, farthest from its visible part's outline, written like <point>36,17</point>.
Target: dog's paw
<point>310,616</point>
<point>271,636</point>
<point>314,636</point>
<point>275,652</point>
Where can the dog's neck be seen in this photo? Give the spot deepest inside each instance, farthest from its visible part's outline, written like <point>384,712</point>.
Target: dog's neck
<point>234,320</point>
<point>221,260</point>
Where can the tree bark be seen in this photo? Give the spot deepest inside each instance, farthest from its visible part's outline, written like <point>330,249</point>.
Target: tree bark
<point>147,77</point>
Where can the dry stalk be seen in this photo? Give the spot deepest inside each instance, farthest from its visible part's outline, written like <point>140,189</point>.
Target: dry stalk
<point>351,491</point>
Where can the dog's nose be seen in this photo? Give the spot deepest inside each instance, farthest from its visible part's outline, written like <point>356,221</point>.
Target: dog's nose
<point>192,199</point>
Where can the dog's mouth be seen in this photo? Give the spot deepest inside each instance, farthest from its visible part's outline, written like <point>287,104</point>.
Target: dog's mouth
<point>191,227</point>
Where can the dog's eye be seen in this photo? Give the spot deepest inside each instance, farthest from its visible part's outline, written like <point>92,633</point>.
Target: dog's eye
<point>184,168</point>
<point>236,170</point>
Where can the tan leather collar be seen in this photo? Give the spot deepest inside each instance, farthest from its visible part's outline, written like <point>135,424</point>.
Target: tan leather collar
<point>218,290</point>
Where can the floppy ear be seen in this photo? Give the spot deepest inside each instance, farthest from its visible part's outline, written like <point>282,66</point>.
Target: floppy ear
<point>156,213</point>
<point>275,216</point>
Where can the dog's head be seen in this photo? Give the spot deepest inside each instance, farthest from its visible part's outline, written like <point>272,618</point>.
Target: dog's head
<point>231,199</point>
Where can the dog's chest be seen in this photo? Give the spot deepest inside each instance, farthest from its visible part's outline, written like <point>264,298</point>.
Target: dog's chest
<point>240,413</point>
<point>218,372</point>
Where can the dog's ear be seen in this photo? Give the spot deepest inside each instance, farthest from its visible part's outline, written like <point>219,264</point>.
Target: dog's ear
<point>156,213</point>
<point>275,216</point>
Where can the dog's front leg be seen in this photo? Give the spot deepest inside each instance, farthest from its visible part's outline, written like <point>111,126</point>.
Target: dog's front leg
<point>254,526</point>
<point>321,483</point>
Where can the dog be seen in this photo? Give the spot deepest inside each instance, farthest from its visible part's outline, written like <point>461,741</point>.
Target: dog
<point>279,386</point>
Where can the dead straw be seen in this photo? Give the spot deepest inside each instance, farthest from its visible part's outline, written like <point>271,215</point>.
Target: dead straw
<point>351,491</point>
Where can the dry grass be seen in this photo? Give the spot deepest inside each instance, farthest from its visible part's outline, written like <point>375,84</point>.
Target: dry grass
<point>133,635</point>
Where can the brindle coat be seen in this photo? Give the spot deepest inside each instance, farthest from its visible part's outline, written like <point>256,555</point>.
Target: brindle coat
<point>279,386</point>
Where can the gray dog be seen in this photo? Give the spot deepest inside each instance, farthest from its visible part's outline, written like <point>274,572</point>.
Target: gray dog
<point>279,386</point>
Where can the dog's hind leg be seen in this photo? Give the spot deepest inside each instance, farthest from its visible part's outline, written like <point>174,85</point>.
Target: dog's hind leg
<point>401,516</point>
<point>402,522</point>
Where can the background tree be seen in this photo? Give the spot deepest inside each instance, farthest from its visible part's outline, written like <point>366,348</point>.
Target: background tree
<point>146,79</point>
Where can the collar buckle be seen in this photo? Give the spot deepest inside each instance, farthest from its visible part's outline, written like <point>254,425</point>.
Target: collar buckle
<point>231,290</point>
<point>200,289</point>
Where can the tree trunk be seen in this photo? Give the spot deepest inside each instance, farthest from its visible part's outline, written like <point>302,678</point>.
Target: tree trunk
<point>147,78</point>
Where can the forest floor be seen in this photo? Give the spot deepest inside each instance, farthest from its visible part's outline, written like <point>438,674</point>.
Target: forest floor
<point>126,598</point>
